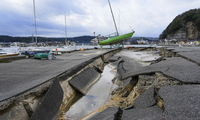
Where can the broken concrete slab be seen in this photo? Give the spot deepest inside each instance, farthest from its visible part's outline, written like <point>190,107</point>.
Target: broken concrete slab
<point>193,56</point>
<point>145,56</point>
<point>114,65</point>
<point>108,114</point>
<point>146,99</point>
<point>114,58</point>
<point>120,70</point>
<point>144,70</point>
<point>127,81</point>
<point>181,102</point>
<point>32,103</point>
<point>133,65</point>
<point>19,76</point>
<point>17,112</point>
<point>151,113</point>
<point>125,65</point>
<point>169,48</point>
<point>183,49</point>
<point>177,68</point>
<point>182,70</point>
<point>106,60</point>
<point>50,105</point>
<point>83,81</point>
<point>178,50</point>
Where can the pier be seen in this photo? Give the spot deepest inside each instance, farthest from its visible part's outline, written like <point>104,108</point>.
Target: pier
<point>23,83</point>
<point>149,81</point>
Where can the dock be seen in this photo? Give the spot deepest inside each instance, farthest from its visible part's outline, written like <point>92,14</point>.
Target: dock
<point>167,89</point>
<point>24,79</point>
<point>163,85</point>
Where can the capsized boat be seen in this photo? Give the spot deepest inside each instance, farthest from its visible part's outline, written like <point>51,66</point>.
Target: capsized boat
<point>117,39</point>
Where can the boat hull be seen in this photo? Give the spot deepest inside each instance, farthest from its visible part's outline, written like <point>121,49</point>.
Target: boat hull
<point>8,55</point>
<point>117,39</point>
<point>64,49</point>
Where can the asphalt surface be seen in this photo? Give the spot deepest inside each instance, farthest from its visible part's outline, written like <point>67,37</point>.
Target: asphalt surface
<point>185,49</point>
<point>180,102</point>
<point>193,56</point>
<point>146,99</point>
<point>108,114</point>
<point>150,113</point>
<point>22,75</point>
<point>178,68</point>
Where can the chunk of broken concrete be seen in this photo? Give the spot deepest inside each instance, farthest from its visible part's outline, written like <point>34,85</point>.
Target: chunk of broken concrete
<point>17,112</point>
<point>48,108</point>
<point>177,68</point>
<point>114,58</point>
<point>181,102</point>
<point>83,81</point>
<point>146,99</point>
<point>108,114</point>
<point>151,113</point>
<point>193,56</point>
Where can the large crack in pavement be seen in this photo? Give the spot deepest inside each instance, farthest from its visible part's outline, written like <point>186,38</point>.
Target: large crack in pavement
<point>167,89</point>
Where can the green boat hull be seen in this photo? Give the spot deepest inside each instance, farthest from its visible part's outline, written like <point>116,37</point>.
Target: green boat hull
<point>116,39</point>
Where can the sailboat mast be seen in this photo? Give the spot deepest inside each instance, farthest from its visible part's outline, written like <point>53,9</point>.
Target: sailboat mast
<point>35,22</point>
<point>65,30</point>
<point>113,17</point>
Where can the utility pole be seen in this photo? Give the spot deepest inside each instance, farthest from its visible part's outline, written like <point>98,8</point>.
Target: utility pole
<point>65,30</point>
<point>35,22</point>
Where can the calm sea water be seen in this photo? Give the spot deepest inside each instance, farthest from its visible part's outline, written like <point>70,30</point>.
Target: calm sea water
<point>17,49</point>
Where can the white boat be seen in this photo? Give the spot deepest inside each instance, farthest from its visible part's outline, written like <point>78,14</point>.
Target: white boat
<point>66,47</point>
<point>7,54</point>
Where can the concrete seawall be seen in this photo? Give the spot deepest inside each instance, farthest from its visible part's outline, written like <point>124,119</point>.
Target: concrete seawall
<point>39,90</point>
<point>166,89</point>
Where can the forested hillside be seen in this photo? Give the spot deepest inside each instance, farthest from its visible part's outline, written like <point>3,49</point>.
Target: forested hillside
<point>184,22</point>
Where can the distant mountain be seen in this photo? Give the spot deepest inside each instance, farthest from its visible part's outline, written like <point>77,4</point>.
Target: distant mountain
<point>77,40</point>
<point>80,39</point>
<point>144,38</point>
<point>185,26</point>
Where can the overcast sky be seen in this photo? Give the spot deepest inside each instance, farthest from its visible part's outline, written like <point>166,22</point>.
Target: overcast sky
<point>84,17</point>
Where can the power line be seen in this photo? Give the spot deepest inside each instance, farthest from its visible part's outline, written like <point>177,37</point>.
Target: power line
<point>124,18</point>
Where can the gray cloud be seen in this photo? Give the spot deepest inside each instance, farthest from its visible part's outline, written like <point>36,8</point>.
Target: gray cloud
<point>147,18</point>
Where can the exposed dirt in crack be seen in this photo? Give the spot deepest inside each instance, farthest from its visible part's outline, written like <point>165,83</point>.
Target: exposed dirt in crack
<point>158,80</point>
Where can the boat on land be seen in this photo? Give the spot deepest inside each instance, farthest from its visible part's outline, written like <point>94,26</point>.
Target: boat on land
<point>117,40</point>
<point>7,54</point>
<point>66,47</point>
<point>33,51</point>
